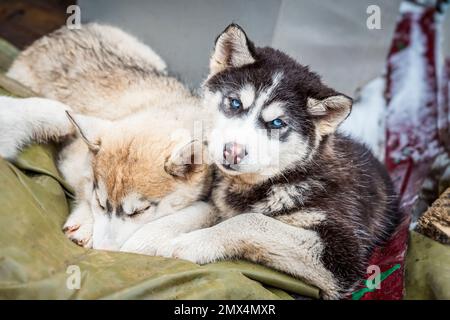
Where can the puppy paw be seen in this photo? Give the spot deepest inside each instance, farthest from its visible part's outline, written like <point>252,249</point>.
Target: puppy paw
<point>80,234</point>
<point>146,248</point>
<point>196,247</point>
<point>24,120</point>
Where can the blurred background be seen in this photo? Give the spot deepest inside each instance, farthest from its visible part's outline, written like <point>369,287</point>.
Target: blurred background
<point>330,36</point>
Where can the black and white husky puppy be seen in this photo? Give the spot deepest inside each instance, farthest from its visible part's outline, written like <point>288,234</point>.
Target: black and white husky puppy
<point>290,192</point>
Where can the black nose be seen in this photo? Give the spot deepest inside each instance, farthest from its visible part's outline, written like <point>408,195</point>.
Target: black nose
<point>233,153</point>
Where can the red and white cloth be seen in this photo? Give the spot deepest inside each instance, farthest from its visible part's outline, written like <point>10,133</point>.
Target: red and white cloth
<point>417,129</point>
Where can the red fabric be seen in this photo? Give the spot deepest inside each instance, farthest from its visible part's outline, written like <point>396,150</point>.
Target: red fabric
<point>409,173</point>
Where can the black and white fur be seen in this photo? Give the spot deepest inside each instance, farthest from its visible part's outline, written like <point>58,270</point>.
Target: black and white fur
<point>307,201</point>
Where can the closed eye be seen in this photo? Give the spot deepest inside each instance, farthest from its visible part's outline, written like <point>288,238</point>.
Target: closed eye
<point>139,211</point>
<point>99,204</point>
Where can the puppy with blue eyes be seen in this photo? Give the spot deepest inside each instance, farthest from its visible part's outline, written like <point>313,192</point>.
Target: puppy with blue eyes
<point>289,191</point>
<point>126,133</point>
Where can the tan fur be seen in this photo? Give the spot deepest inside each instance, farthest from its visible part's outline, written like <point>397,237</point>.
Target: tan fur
<point>94,82</point>
<point>135,161</point>
<point>333,111</point>
<point>230,51</point>
<point>303,219</point>
<point>100,71</point>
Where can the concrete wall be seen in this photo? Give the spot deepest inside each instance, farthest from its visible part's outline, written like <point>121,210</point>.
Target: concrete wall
<point>331,36</point>
<point>183,31</point>
<point>334,39</point>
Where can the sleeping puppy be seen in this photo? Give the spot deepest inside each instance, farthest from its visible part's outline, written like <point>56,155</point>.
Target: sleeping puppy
<point>125,127</point>
<point>289,192</point>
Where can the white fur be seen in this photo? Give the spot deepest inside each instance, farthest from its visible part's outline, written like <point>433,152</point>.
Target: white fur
<point>111,230</point>
<point>247,95</point>
<point>22,120</point>
<point>264,95</point>
<point>155,235</point>
<point>272,111</point>
<point>262,157</point>
<point>263,152</point>
<point>287,248</point>
<point>79,225</point>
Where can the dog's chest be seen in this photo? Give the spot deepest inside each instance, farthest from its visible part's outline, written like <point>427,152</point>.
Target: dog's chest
<point>231,197</point>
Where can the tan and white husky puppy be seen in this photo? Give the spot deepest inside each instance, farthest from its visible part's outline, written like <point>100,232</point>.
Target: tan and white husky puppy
<point>126,127</point>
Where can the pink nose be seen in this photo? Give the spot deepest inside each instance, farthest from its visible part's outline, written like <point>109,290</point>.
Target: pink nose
<point>233,153</point>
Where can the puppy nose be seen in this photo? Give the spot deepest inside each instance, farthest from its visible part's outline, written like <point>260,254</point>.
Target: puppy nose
<point>233,152</point>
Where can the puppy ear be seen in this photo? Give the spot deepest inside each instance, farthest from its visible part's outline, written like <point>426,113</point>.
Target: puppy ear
<point>330,112</point>
<point>186,161</point>
<point>232,50</point>
<point>87,129</point>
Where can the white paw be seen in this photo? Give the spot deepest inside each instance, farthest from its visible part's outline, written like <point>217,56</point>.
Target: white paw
<point>22,120</point>
<point>148,239</point>
<point>195,247</point>
<point>79,232</point>
<point>148,246</point>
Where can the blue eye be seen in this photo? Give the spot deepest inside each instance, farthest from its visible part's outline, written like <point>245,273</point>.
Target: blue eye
<point>277,123</point>
<point>235,104</point>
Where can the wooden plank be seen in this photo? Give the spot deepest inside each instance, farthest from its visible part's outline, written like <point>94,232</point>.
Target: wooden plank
<point>435,223</point>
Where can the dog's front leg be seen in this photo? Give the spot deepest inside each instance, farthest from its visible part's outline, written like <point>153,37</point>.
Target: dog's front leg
<point>260,239</point>
<point>25,120</point>
<point>149,238</point>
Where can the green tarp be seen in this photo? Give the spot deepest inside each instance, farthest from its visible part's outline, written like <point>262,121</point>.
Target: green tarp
<point>427,269</point>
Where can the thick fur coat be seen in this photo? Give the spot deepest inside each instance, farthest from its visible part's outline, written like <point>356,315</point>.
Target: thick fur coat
<point>125,139</point>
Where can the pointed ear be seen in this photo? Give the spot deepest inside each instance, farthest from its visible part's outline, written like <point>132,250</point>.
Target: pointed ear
<point>87,128</point>
<point>330,112</point>
<point>232,49</point>
<point>187,160</point>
